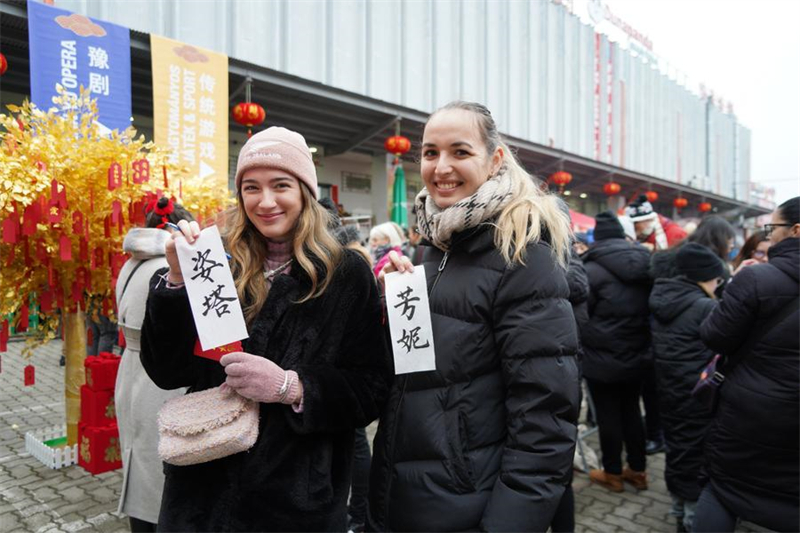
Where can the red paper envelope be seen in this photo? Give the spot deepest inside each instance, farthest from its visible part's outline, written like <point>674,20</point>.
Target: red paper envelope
<point>216,353</point>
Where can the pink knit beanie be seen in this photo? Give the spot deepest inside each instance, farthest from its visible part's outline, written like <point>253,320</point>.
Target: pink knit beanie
<point>278,148</point>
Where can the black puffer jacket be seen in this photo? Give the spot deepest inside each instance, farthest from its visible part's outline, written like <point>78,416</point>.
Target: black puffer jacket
<point>297,476</point>
<point>753,446</point>
<point>616,341</point>
<point>679,307</point>
<point>486,440</point>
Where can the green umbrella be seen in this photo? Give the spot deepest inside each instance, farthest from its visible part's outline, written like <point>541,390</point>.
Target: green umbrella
<point>399,198</point>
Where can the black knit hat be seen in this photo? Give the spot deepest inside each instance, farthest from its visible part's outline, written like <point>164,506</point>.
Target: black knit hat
<point>607,226</point>
<point>698,263</point>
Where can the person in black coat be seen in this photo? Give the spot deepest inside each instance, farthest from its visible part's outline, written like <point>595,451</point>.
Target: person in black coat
<point>316,359</point>
<point>485,441</point>
<point>679,305</point>
<point>616,348</point>
<point>753,445</point>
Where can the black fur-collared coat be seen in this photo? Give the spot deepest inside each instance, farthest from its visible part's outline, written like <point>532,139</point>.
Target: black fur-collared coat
<point>297,476</point>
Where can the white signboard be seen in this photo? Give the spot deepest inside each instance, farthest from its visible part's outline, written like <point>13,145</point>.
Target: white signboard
<point>212,294</point>
<point>410,321</point>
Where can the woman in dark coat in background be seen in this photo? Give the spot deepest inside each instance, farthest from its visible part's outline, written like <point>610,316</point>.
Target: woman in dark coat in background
<point>752,449</point>
<point>679,306</point>
<point>616,348</point>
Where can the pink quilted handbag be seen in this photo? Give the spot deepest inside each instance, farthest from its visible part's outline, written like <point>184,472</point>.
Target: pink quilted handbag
<point>206,425</point>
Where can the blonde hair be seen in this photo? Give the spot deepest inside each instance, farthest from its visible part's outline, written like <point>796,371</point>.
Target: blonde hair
<point>387,230</point>
<point>532,210</point>
<point>316,251</point>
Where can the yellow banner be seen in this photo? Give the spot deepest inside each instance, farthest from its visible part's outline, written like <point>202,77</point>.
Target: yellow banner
<point>190,106</point>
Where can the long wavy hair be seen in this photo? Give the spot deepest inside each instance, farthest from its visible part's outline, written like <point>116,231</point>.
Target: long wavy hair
<point>314,249</point>
<point>532,209</point>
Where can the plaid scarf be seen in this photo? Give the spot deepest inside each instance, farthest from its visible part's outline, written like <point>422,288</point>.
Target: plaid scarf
<point>438,225</point>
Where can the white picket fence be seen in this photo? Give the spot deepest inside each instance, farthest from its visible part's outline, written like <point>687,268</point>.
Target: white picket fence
<point>54,458</point>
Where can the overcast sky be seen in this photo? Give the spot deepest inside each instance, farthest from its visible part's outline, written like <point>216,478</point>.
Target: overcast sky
<point>747,51</point>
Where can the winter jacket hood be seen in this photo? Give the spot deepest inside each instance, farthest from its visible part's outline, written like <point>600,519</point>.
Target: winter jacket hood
<point>145,243</point>
<point>672,297</point>
<point>616,340</point>
<point>785,256</point>
<point>624,259</point>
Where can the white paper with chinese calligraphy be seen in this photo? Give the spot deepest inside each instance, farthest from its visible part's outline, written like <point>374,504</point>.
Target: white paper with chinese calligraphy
<point>212,294</point>
<point>410,321</point>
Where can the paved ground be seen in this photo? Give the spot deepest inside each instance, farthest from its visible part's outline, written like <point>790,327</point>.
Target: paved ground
<point>34,498</point>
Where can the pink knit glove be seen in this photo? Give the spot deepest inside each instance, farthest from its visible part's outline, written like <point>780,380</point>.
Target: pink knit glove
<point>260,379</point>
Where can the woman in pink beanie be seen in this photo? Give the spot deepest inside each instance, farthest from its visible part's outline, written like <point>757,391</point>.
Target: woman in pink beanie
<point>316,359</point>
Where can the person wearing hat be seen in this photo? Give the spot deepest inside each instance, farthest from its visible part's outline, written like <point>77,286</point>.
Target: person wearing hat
<point>679,305</point>
<point>316,360</point>
<point>656,232</point>
<point>616,347</point>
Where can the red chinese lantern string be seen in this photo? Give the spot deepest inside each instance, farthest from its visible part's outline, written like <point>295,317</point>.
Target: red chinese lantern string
<point>652,196</point>
<point>704,207</point>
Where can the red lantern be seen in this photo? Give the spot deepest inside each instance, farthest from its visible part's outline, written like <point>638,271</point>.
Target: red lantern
<point>561,178</point>
<point>704,207</point>
<point>611,188</point>
<point>680,202</point>
<point>652,196</point>
<point>397,145</point>
<point>249,114</point>
<point>3,64</point>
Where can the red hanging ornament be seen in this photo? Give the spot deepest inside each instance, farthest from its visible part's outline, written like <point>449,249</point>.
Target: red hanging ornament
<point>3,64</point>
<point>4,336</point>
<point>611,188</point>
<point>114,176</point>
<point>248,114</point>
<point>680,202</point>
<point>397,145</point>
<point>652,196</point>
<point>30,376</point>
<point>141,171</point>
<point>704,207</point>
<point>561,179</point>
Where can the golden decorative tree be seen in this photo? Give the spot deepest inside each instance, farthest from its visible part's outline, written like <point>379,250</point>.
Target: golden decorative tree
<point>67,197</point>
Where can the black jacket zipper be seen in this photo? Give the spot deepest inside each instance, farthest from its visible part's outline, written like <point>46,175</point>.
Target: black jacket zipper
<point>442,264</point>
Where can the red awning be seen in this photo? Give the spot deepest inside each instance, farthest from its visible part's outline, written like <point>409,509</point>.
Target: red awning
<point>581,221</point>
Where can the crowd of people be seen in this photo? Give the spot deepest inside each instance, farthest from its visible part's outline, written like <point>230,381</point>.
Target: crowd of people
<point>521,312</point>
